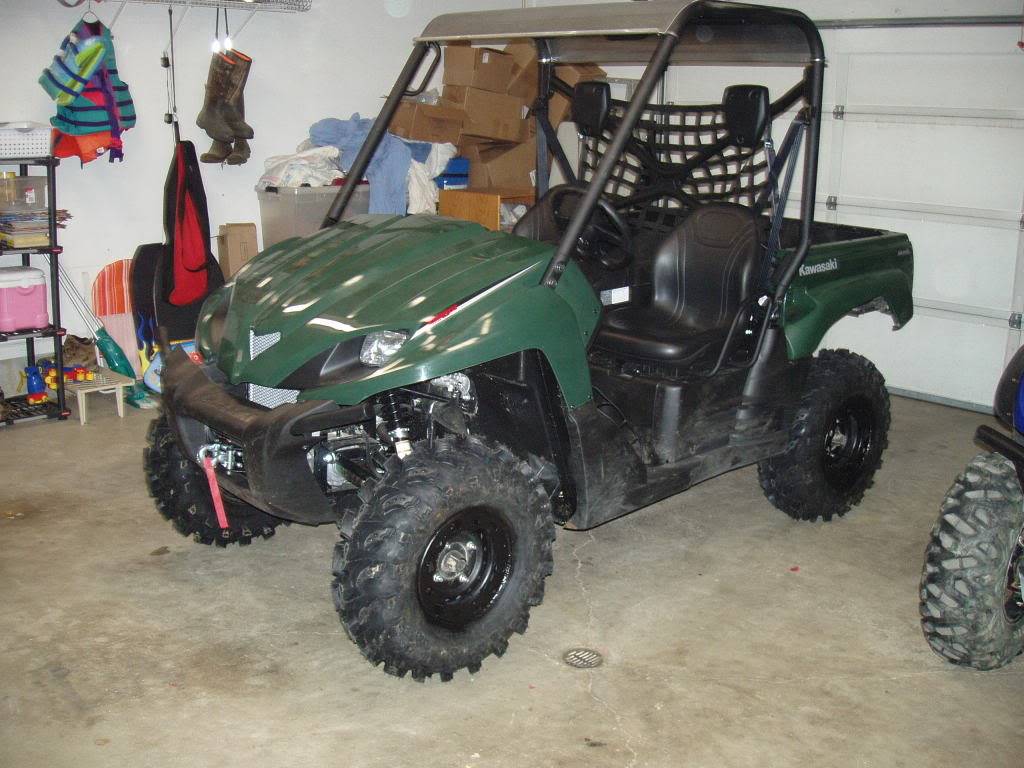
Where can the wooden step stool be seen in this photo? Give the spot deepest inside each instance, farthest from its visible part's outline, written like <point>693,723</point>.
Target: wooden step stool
<point>105,382</point>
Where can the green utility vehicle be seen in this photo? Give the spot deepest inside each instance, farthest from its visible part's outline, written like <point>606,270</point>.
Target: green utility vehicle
<point>449,396</point>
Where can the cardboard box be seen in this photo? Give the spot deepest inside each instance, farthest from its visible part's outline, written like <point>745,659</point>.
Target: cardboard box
<point>524,79</point>
<point>485,68</point>
<point>236,244</point>
<point>524,72</point>
<point>454,96</point>
<point>471,149</point>
<point>427,122</point>
<point>488,115</point>
<point>502,165</point>
<point>481,205</point>
<point>524,82</point>
<point>523,53</point>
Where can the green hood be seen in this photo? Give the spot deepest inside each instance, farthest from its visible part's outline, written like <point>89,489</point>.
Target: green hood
<point>383,273</point>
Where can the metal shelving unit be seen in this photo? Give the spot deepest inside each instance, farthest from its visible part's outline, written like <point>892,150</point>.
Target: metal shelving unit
<point>248,7</point>
<point>18,408</point>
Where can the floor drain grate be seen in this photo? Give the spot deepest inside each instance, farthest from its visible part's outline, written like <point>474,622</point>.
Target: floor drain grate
<point>583,658</point>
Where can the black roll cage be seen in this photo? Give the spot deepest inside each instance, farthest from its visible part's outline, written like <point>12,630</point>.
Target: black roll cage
<point>690,19</point>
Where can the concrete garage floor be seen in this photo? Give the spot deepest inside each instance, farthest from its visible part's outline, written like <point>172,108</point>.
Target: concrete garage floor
<point>733,636</point>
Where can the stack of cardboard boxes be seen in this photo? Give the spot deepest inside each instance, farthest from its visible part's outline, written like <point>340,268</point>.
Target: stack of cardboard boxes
<point>485,99</point>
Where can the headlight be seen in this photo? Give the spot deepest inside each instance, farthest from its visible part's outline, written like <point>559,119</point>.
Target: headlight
<point>381,346</point>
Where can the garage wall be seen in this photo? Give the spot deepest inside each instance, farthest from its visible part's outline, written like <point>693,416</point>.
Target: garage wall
<point>337,59</point>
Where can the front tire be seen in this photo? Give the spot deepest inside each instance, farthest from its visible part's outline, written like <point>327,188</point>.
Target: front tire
<point>972,609</point>
<point>182,495</point>
<point>447,555</point>
<point>837,440</point>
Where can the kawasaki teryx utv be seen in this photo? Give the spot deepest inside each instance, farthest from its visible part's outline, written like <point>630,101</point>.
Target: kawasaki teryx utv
<point>972,586</point>
<point>449,395</point>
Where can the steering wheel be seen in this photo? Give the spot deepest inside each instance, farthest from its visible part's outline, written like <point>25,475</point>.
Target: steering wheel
<point>605,238</point>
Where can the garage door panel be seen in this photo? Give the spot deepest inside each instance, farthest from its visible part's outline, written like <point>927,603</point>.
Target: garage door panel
<point>953,359</point>
<point>826,142</point>
<point>704,85</point>
<point>957,81</point>
<point>927,41</point>
<point>937,164</point>
<point>954,262</point>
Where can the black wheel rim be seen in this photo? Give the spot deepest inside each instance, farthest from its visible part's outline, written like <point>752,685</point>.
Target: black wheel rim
<point>1014,605</point>
<point>850,435</point>
<point>465,567</point>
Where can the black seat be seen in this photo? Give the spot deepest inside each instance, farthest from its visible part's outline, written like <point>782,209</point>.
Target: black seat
<point>700,276</point>
<point>538,223</point>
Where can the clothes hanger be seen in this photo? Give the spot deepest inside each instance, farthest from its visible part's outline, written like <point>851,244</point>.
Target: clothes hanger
<point>89,11</point>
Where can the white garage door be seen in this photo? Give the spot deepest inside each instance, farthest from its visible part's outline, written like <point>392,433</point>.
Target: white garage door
<point>927,137</point>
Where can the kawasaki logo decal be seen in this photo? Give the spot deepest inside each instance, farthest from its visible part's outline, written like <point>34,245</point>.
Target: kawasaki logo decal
<point>816,269</point>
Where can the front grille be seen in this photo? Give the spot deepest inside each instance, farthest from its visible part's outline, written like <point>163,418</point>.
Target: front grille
<point>260,343</point>
<point>269,397</point>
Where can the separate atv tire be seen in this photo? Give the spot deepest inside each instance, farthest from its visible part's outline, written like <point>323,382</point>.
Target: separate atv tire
<point>447,555</point>
<point>972,610</point>
<point>836,442</point>
<point>182,495</point>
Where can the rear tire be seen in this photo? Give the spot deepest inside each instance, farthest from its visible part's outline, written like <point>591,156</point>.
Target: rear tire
<point>837,440</point>
<point>182,495</point>
<point>447,555</point>
<point>972,611</point>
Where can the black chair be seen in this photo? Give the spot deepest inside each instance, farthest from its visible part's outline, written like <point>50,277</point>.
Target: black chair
<point>702,274</point>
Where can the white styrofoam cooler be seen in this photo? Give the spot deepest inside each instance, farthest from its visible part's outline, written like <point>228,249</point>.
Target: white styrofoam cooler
<point>22,299</point>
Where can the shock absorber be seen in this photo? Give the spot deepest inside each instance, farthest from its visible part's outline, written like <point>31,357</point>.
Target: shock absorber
<point>390,415</point>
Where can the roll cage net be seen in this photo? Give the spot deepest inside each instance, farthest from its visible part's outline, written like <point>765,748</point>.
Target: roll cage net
<point>678,157</point>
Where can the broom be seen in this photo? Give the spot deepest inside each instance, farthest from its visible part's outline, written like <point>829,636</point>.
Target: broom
<point>112,353</point>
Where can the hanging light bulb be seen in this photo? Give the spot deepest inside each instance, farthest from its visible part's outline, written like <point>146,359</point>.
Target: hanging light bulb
<point>215,45</point>
<point>228,45</point>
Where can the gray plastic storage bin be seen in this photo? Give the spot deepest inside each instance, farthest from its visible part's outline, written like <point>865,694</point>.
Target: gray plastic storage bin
<point>298,211</point>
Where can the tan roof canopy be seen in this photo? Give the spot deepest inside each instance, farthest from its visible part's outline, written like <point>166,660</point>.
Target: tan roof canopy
<point>710,31</point>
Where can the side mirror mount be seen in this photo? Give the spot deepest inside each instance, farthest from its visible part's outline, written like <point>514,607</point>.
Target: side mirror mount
<point>747,111</point>
<point>591,103</point>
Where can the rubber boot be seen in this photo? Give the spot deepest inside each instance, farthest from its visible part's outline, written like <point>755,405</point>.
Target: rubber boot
<point>240,153</point>
<point>212,117</point>
<point>234,114</point>
<point>217,153</point>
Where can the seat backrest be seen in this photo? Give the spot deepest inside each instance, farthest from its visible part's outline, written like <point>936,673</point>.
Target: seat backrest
<point>707,266</point>
<point>538,223</point>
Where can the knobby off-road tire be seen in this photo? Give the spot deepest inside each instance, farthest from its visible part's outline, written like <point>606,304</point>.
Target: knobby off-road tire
<point>971,606</point>
<point>447,555</point>
<point>182,495</point>
<point>836,442</point>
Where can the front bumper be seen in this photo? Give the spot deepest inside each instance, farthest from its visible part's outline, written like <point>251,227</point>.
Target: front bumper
<point>277,477</point>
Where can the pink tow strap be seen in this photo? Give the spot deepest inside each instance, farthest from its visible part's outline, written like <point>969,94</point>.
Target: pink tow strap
<point>218,502</point>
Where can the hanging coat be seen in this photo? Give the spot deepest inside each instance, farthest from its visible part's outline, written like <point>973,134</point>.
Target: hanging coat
<point>190,271</point>
<point>102,108</point>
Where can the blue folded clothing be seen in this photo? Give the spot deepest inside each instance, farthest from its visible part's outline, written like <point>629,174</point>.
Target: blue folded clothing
<point>389,167</point>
